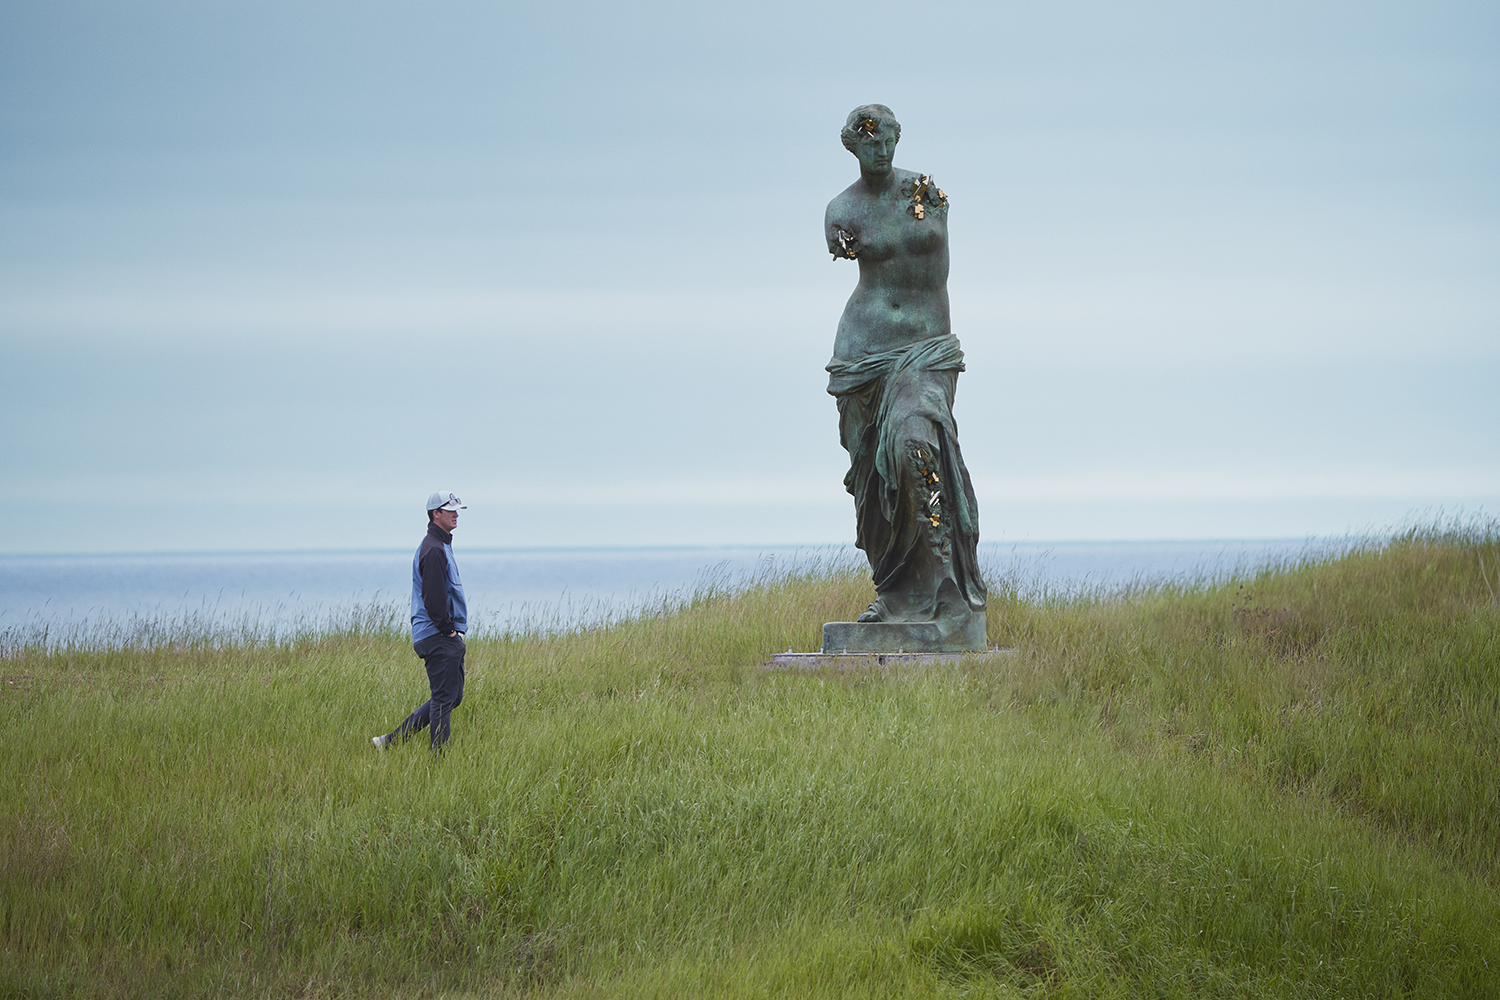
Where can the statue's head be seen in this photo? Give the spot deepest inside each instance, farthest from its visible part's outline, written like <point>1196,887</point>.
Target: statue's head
<point>868,122</point>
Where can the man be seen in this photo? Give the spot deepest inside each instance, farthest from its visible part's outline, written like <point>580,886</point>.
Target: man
<point>439,619</point>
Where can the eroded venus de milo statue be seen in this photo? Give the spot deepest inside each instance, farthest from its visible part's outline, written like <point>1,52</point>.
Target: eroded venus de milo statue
<point>894,371</point>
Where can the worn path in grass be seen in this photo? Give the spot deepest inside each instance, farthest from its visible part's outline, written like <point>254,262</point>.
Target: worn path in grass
<point>1281,786</point>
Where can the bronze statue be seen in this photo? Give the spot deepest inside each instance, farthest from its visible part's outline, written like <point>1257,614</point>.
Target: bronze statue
<point>894,371</point>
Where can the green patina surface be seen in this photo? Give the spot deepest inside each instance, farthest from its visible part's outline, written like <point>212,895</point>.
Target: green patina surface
<point>894,373</point>
<point>952,634</point>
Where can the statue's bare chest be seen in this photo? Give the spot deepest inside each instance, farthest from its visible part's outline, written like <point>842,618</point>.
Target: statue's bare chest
<point>908,222</point>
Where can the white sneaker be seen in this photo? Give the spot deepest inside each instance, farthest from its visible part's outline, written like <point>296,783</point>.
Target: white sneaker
<point>381,742</point>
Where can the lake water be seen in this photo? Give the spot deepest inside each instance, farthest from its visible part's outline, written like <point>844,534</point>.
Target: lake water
<point>273,591</point>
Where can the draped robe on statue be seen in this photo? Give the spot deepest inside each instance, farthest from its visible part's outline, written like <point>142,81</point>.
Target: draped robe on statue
<point>915,512</point>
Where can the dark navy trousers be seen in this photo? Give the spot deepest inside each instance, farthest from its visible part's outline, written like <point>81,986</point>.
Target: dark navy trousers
<point>444,656</point>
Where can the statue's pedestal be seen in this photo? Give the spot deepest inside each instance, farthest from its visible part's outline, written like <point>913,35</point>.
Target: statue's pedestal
<point>963,634</point>
<point>883,645</point>
<point>870,661</point>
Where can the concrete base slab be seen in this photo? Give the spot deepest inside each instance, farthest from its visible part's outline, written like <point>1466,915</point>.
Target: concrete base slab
<point>869,661</point>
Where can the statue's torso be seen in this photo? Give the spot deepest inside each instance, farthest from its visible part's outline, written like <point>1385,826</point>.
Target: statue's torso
<point>902,295</point>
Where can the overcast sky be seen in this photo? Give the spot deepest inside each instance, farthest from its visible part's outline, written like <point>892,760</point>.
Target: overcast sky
<point>272,272</point>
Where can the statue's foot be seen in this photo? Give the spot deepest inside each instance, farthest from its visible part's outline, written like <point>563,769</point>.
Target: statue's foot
<point>872,614</point>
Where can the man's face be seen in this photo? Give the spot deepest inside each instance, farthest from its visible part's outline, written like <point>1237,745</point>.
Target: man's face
<point>445,519</point>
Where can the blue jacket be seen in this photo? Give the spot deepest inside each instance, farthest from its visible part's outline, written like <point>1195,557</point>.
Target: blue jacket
<point>437,594</point>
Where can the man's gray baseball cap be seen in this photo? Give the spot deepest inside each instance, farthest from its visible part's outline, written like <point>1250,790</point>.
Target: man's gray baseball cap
<point>445,501</point>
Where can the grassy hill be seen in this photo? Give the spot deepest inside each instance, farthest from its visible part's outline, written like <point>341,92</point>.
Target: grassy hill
<point>1285,785</point>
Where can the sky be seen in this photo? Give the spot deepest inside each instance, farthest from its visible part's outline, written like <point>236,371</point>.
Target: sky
<point>270,273</point>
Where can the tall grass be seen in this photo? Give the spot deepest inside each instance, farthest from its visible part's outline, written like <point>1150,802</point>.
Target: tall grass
<point>1280,784</point>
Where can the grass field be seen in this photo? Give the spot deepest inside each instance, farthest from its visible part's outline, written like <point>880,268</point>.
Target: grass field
<point>1285,785</point>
